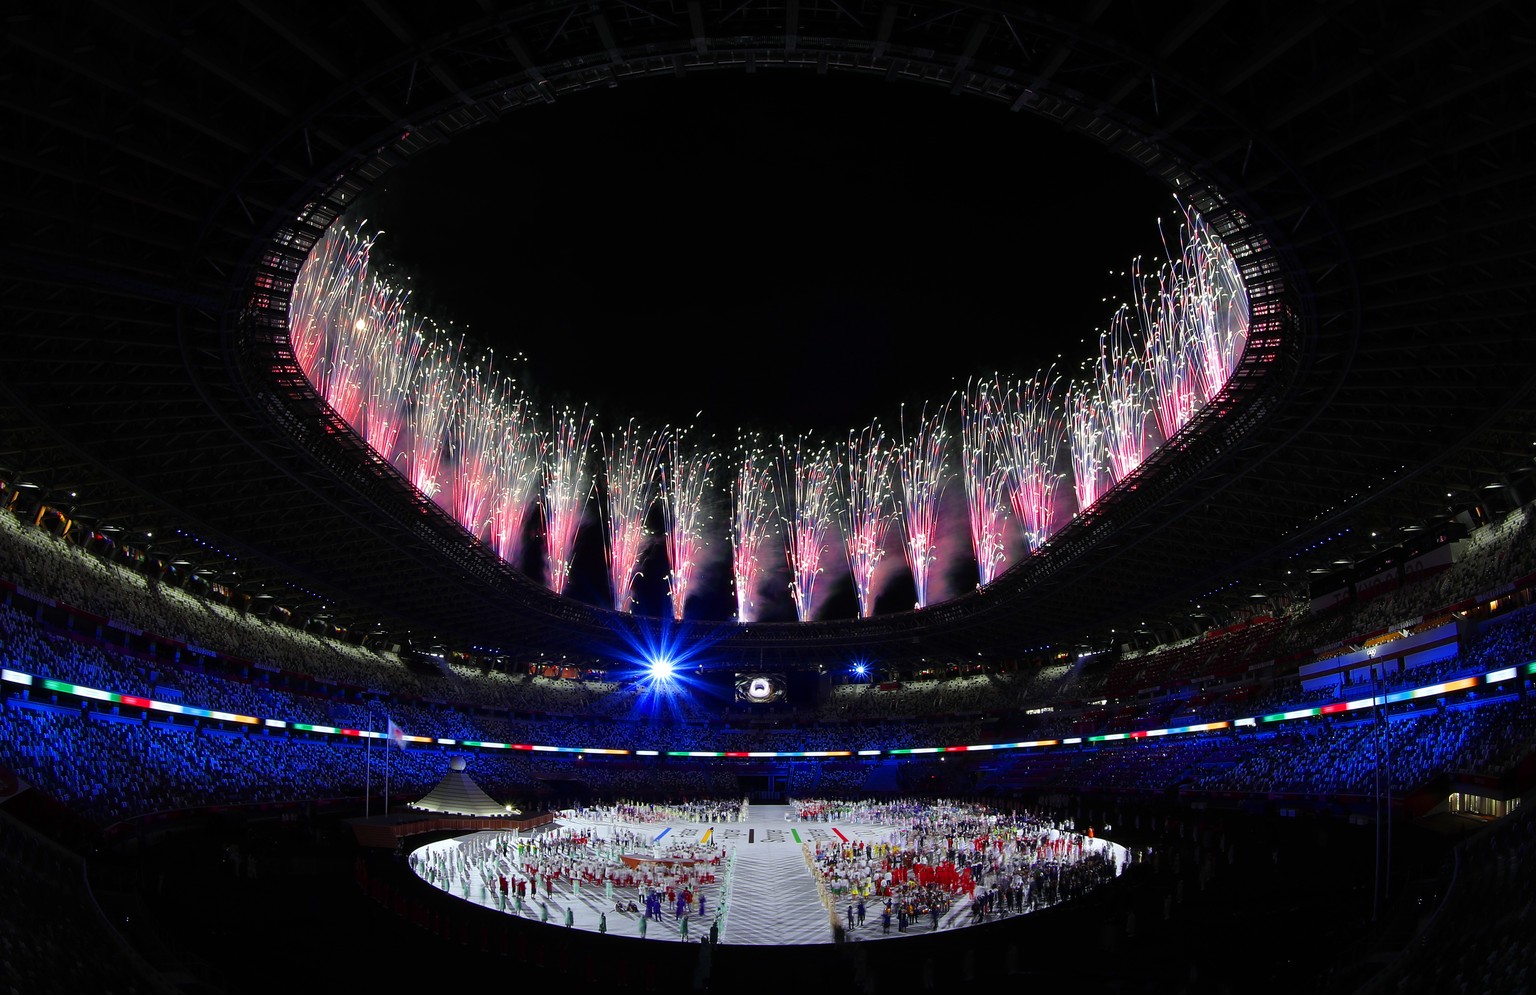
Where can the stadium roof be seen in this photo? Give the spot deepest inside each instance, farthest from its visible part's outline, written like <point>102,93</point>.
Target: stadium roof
<point>161,171</point>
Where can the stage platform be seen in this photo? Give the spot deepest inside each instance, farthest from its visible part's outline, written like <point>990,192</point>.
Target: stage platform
<point>386,831</point>
<point>772,896</point>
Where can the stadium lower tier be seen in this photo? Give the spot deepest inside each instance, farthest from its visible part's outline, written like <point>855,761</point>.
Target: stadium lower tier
<point>114,768</point>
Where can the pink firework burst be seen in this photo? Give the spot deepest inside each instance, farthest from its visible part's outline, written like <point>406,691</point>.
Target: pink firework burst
<point>924,468</point>
<point>754,523</point>
<point>868,505</point>
<point>687,479</point>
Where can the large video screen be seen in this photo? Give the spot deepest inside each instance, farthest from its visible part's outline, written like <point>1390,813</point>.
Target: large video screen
<point>761,689</point>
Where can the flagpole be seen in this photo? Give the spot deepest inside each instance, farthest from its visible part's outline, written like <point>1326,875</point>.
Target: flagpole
<point>368,770</point>
<point>387,724</point>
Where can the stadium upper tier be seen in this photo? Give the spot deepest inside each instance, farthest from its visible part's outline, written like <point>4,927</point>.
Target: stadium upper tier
<point>79,630</point>
<point>152,392</point>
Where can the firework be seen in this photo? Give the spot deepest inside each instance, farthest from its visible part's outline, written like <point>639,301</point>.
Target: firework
<point>466,438</point>
<point>325,299</point>
<point>339,315</point>
<point>1194,314</point>
<point>1085,435</point>
<point>868,505</point>
<point>425,451</point>
<point>519,468</point>
<point>923,467</point>
<point>1222,316</point>
<point>753,524</point>
<point>631,468</point>
<point>984,470</point>
<point>396,348</point>
<point>1124,398</point>
<point>1175,379</point>
<point>1032,431</point>
<point>567,487</point>
<point>687,478</point>
<point>477,435</point>
<point>807,490</point>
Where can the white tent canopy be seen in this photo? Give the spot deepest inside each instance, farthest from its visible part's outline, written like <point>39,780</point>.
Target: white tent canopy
<point>458,794</point>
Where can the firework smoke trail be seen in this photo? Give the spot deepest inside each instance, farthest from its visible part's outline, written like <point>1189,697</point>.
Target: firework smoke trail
<point>923,467</point>
<point>518,469</point>
<point>567,487</point>
<point>632,472</point>
<point>1033,431</point>
<point>477,432</point>
<point>807,490</point>
<point>868,505</point>
<point>687,477</point>
<point>984,471</point>
<point>753,524</point>
<point>431,420</point>
<point>1085,435</point>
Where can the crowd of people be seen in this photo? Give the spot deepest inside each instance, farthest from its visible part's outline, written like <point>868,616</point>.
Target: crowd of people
<point>265,668</point>
<point>543,875</point>
<point>161,642</point>
<point>627,810</point>
<point>944,857</point>
<point>117,762</point>
<point>69,615</point>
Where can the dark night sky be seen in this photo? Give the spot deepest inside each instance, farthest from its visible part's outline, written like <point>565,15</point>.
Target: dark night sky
<point>780,251</point>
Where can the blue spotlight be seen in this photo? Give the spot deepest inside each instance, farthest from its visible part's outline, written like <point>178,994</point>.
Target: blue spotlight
<point>660,668</point>
<point>860,669</point>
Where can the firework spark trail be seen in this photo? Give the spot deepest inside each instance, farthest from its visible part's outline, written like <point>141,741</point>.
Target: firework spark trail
<point>1086,444</point>
<point>431,420</point>
<point>477,434</point>
<point>326,284</point>
<point>687,478</point>
<point>924,470</point>
<point>984,470</point>
<point>868,505</point>
<point>342,365</point>
<point>1174,382</point>
<point>369,358</point>
<point>377,318</point>
<point>1124,398</point>
<point>632,472</point>
<point>519,468</point>
<point>356,338</point>
<point>754,523</point>
<point>469,442</point>
<point>807,488</point>
<point>1033,431</point>
<point>396,348</point>
<point>1220,312</point>
<point>343,385</point>
<point>567,488</point>
<point>338,306</point>
<point>1194,315</point>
